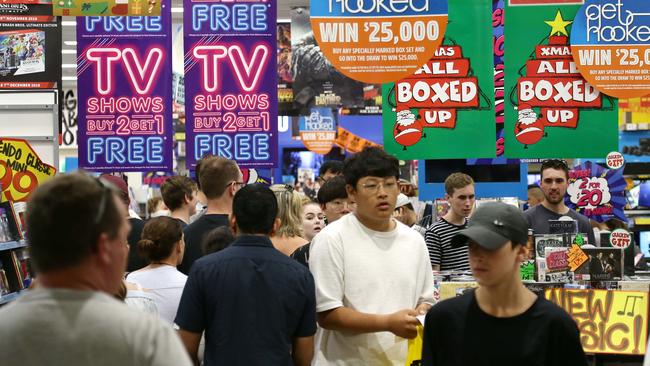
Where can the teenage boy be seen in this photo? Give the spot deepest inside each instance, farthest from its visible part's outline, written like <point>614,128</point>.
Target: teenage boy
<point>501,322</point>
<point>220,179</point>
<point>77,229</point>
<point>554,184</point>
<point>459,192</point>
<point>179,194</point>
<point>372,272</point>
<point>329,170</point>
<point>255,304</point>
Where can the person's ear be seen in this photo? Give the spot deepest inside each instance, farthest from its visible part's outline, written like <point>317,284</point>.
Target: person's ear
<point>103,249</point>
<point>233,223</point>
<point>276,226</point>
<point>351,192</point>
<point>522,252</point>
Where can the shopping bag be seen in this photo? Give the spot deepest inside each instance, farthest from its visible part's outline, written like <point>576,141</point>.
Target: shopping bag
<point>414,356</point>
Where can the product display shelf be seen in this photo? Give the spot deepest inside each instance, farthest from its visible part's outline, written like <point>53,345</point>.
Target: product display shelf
<point>13,245</point>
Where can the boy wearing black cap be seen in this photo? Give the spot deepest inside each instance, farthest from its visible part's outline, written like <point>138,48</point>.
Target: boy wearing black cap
<point>501,322</point>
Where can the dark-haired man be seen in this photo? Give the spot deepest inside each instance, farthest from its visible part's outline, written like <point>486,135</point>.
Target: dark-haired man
<point>329,170</point>
<point>179,194</point>
<point>501,322</point>
<point>554,184</point>
<point>220,179</point>
<point>77,229</point>
<point>255,304</point>
<point>372,272</point>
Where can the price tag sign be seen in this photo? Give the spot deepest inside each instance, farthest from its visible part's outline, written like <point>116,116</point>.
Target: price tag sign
<point>576,257</point>
<point>589,192</point>
<point>615,160</point>
<point>620,238</point>
<point>610,42</point>
<point>378,41</point>
<point>21,170</point>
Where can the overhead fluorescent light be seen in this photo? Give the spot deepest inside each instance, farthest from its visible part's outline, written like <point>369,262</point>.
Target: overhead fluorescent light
<point>69,66</point>
<point>69,23</point>
<point>284,20</point>
<point>70,43</point>
<point>177,10</point>
<point>69,78</point>
<point>69,52</point>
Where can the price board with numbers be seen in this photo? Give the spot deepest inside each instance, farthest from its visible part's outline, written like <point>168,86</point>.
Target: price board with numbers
<point>610,43</point>
<point>378,41</point>
<point>596,192</point>
<point>21,170</point>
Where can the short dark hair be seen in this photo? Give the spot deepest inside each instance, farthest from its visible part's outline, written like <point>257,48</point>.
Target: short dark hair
<point>65,217</point>
<point>159,236</point>
<point>255,209</point>
<point>555,164</point>
<point>371,161</point>
<point>175,189</point>
<point>217,239</point>
<point>197,169</point>
<point>332,189</point>
<point>334,166</point>
<point>215,174</point>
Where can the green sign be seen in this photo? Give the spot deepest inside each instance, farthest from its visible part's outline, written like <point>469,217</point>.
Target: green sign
<point>550,110</point>
<point>445,110</point>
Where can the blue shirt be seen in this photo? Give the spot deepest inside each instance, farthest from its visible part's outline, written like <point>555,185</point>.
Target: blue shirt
<point>251,300</point>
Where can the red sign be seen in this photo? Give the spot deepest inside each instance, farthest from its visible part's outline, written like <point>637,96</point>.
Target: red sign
<point>554,117</point>
<point>441,93</point>
<point>558,92</point>
<point>440,118</point>
<point>551,67</point>
<point>442,68</point>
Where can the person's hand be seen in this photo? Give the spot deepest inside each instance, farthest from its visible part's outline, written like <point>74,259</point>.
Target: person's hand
<point>403,323</point>
<point>423,308</point>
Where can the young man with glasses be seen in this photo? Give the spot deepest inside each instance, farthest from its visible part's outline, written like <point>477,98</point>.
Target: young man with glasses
<point>77,228</point>
<point>554,184</point>
<point>220,179</point>
<point>372,273</point>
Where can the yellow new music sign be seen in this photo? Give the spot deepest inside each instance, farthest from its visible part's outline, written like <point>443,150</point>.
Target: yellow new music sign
<point>609,321</point>
<point>21,170</point>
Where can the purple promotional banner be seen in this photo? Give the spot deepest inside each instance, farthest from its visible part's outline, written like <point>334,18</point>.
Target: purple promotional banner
<point>124,75</point>
<point>231,81</point>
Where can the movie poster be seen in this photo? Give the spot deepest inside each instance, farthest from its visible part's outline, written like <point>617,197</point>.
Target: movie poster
<point>445,110</point>
<point>30,46</point>
<point>230,76</point>
<point>316,83</point>
<point>285,78</point>
<point>551,111</point>
<point>124,72</point>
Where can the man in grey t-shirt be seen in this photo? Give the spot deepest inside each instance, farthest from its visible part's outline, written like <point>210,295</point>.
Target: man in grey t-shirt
<point>554,184</point>
<point>77,230</point>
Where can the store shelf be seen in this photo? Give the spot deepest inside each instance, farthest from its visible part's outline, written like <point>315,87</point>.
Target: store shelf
<point>9,297</point>
<point>12,245</point>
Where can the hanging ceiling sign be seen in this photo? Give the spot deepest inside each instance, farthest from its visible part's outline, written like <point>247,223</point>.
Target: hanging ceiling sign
<point>378,41</point>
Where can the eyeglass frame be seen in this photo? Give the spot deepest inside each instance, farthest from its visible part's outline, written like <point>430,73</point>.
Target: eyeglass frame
<point>235,182</point>
<point>395,185</point>
<point>103,202</point>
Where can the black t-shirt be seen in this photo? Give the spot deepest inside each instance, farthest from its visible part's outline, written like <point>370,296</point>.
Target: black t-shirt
<point>457,332</point>
<point>302,255</point>
<point>194,234</point>
<point>135,260</point>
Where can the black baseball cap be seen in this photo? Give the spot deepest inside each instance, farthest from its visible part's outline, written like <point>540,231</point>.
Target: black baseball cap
<point>492,225</point>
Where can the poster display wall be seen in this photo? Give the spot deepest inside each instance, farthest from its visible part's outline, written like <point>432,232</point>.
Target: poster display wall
<point>551,111</point>
<point>316,83</point>
<point>230,59</point>
<point>108,7</point>
<point>124,78</point>
<point>449,102</point>
<point>30,46</point>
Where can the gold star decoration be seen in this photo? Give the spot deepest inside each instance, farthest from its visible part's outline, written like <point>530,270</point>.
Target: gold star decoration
<point>558,25</point>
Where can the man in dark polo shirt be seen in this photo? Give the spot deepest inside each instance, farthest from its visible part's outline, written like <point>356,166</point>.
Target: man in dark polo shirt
<point>256,305</point>
<point>220,179</point>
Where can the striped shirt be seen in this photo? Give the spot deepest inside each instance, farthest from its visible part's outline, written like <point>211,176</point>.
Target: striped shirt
<point>438,239</point>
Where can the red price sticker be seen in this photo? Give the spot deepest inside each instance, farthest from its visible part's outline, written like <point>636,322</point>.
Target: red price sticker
<point>620,238</point>
<point>615,160</point>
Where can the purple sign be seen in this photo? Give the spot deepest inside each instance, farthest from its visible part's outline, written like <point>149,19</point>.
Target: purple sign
<point>231,81</point>
<point>124,77</point>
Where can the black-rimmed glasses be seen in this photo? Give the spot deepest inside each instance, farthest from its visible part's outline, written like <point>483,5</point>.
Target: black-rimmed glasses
<point>106,192</point>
